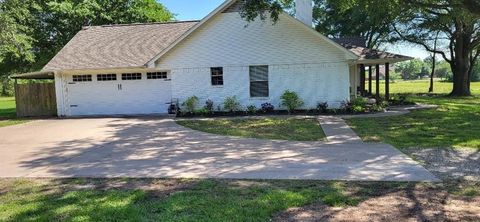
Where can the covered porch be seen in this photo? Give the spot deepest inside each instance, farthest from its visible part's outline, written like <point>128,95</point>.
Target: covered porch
<point>371,62</point>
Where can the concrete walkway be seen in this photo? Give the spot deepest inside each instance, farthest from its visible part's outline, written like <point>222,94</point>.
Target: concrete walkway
<point>393,111</point>
<point>159,148</point>
<point>337,131</point>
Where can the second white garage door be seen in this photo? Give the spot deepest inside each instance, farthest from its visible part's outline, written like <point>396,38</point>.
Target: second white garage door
<point>119,94</point>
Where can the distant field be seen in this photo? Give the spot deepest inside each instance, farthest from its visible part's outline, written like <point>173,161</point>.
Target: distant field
<point>421,86</point>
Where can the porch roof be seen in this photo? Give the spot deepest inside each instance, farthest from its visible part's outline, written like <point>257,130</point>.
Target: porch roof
<point>35,75</point>
<point>367,55</point>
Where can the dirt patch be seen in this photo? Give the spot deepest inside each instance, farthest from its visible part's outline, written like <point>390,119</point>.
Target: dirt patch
<point>449,163</point>
<point>416,204</point>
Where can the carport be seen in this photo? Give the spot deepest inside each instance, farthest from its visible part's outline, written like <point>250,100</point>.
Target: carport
<point>35,94</point>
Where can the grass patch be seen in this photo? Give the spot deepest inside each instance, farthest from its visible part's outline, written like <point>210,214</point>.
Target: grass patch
<point>268,128</point>
<point>7,107</point>
<point>455,123</point>
<point>207,200</point>
<point>8,114</point>
<point>421,86</point>
<point>200,200</point>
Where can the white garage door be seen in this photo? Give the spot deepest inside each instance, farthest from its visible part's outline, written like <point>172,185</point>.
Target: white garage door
<point>119,94</point>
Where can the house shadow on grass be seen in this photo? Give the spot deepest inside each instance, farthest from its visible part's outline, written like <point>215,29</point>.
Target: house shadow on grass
<point>229,200</point>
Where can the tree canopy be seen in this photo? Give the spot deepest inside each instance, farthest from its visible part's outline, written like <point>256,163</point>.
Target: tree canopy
<point>455,22</point>
<point>459,29</point>
<point>33,31</point>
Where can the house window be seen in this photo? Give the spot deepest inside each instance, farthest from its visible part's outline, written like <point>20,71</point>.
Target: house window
<point>217,76</point>
<point>131,76</point>
<point>106,77</point>
<point>156,75</point>
<point>259,81</point>
<point>82,78</point>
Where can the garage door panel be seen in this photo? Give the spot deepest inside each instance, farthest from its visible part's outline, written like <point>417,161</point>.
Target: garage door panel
<point>107,98</point>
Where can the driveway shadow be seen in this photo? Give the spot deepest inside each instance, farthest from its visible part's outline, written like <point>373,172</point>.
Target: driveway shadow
<point>157,147</point>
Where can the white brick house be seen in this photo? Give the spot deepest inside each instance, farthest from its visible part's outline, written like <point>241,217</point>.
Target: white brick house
<point>140,68</point>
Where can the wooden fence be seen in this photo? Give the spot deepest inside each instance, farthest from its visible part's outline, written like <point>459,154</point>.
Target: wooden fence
<point>35,99</point>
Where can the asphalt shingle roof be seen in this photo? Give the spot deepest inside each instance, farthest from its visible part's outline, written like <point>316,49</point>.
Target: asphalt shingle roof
<point>117,46</point>
<point>358,47</point>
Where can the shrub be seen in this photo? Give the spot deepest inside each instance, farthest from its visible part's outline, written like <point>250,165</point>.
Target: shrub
<point>291,101</point>
<point>190,104</point>
<point>400,99</point>
<point>357,105</point>
<point>322,107</point>
<point>251,109</point>
<point>267,107</point>
<point>202,112</point>
<point>209,106</point>
<point>231,104</point>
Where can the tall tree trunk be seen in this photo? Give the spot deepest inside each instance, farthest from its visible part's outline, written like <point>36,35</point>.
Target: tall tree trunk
<point>461,66</point>
<point>434,61</point>
<point>430,89</point>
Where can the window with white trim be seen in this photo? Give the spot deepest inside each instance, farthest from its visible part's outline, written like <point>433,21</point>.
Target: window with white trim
<point>106,77</point>
<point>217,76</point>
<point>82,78</point>
<point>131,76</point>
<point>157,75</point>
<point>259,81</point>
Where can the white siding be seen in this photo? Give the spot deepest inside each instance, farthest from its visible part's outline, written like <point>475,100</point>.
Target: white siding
<point>314,83</point>
<point>298,60</point>
<point>227,40</point>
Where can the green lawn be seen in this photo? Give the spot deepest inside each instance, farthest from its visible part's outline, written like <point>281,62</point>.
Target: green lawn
<point>455,123</point>
<point>204,200</point>
<point>268,128</point>
<point>185,200</point>
<point>421,86</point>
<point>7,112</point>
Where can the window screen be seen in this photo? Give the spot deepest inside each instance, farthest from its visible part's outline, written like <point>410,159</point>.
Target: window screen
<point>82,78</point>
<point>131,76</point>
<point>217,76</point>
<point>259,81</point>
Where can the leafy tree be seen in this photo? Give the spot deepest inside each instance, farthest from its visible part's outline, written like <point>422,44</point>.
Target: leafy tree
<point>371,19</point>
<point>444,71</point>
<point>15,39</point>
<point>410,69</point>
<point>33,31</point>
<point>264,9</point>
<point>458,27</point>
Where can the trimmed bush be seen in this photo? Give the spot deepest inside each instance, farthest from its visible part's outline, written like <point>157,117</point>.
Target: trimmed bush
<point>291,101</point>
<point>267,108</point>
<point>251,109</point>
<point>231,104</point>
<point>322,107</point>
<point>190,104</point>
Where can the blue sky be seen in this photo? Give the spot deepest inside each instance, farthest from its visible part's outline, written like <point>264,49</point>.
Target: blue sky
<point>197,9</point>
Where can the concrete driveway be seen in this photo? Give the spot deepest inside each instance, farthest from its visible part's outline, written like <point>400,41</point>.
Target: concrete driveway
<point>158,147</point>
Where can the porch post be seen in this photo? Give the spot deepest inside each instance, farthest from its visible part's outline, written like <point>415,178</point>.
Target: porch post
<point>377,84</point>
<point>362,80</point>
<point>387,81</point>
<point>370,80</point>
